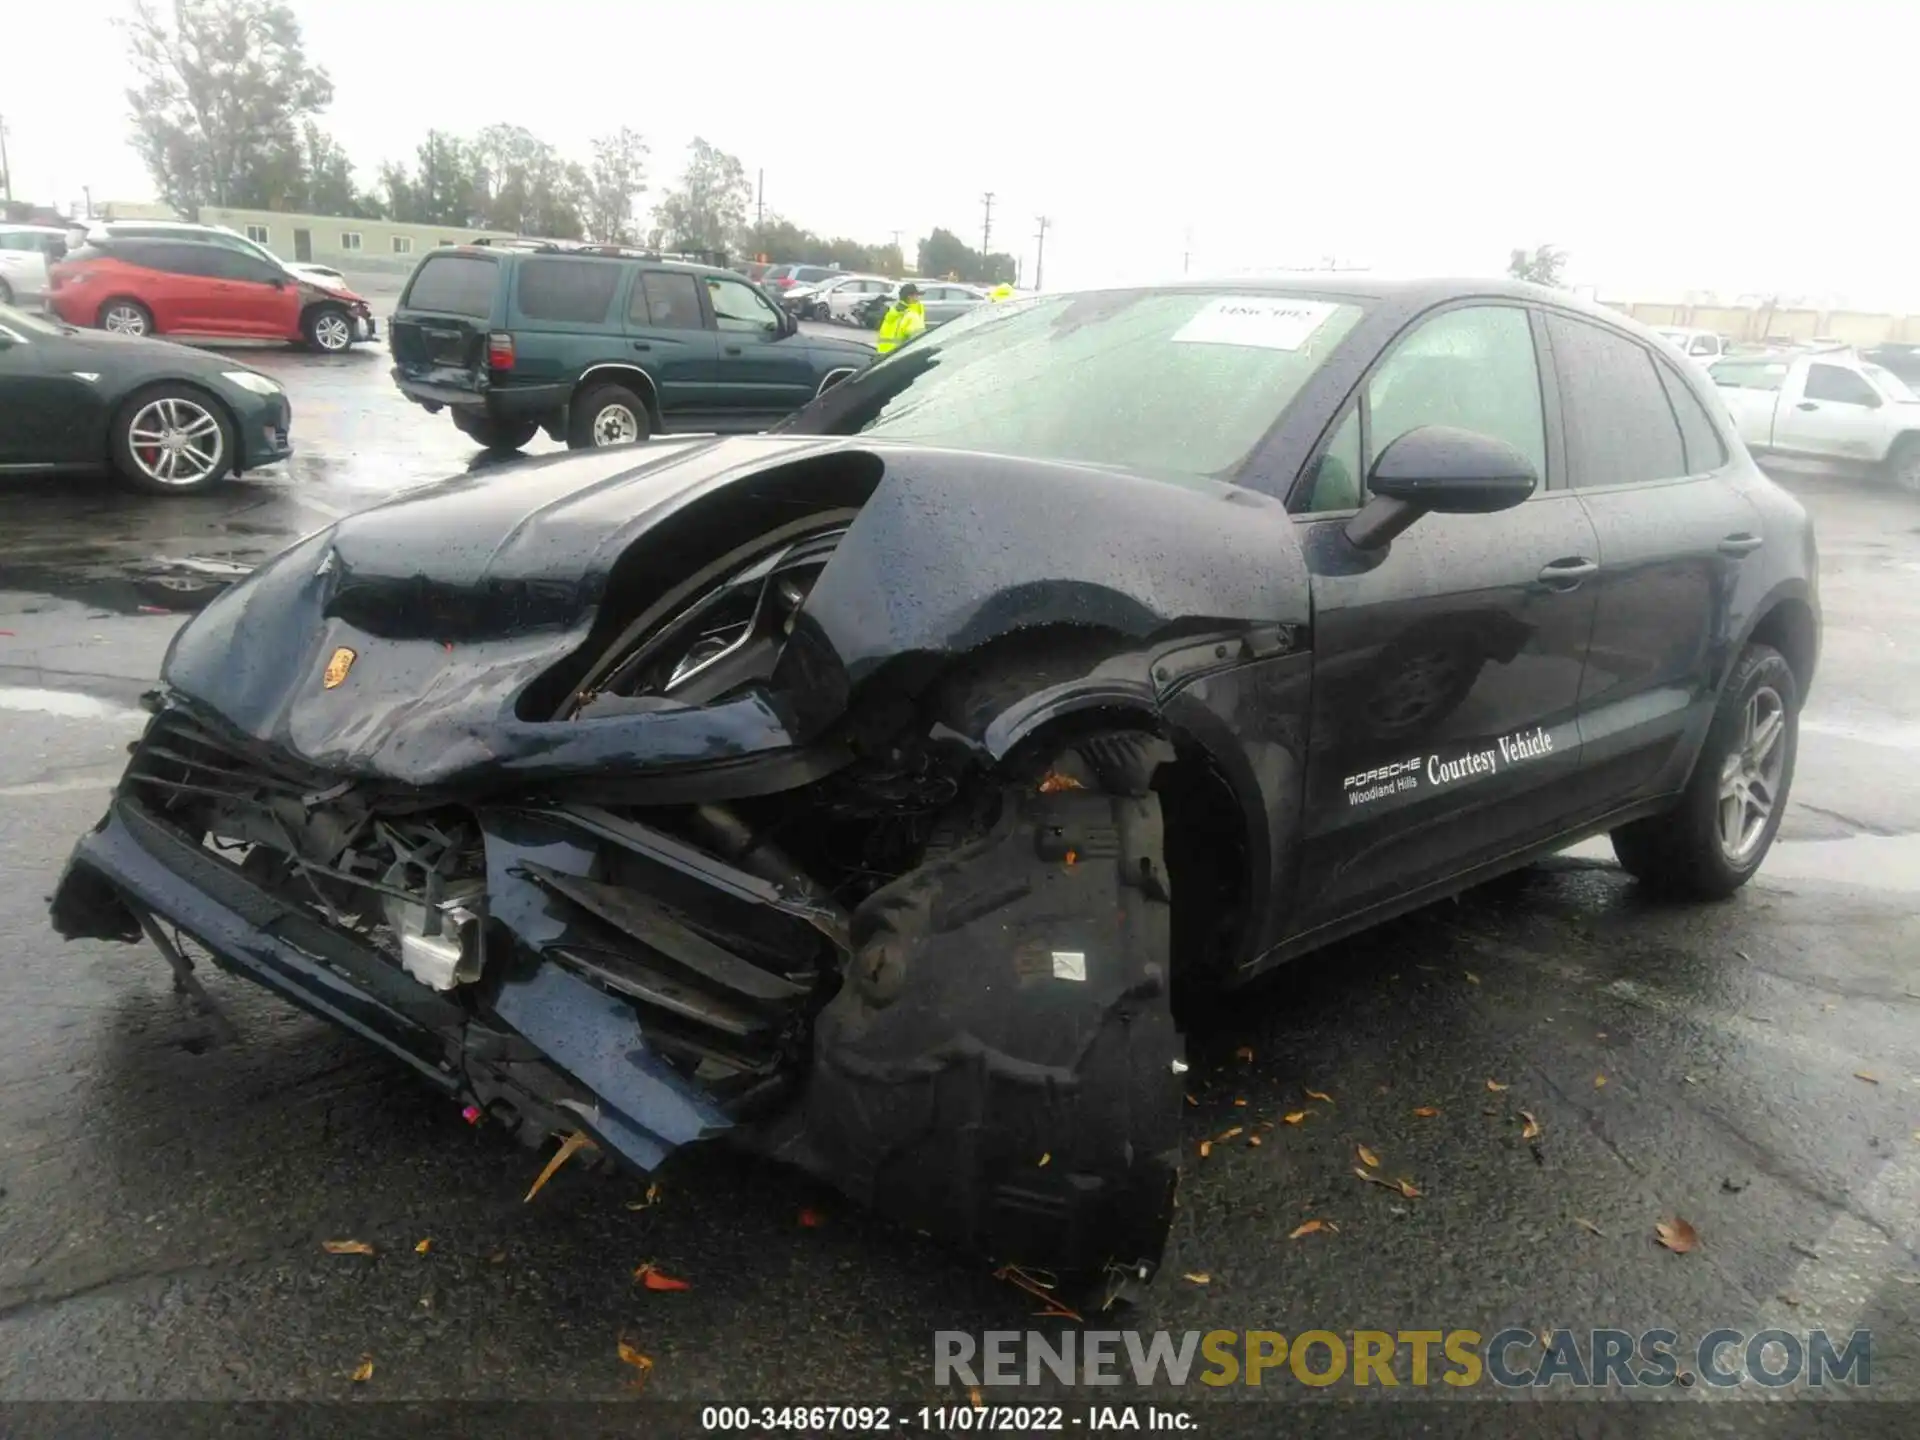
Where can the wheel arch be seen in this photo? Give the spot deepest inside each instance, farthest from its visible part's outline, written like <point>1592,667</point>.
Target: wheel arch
<point>123,409</point>
<point>1786,621</point>
<point>153,321</point>
<point>618,372</point>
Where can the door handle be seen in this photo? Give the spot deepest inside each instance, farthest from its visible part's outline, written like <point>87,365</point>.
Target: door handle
<point>1806,405</point>
<point>733,349</point>
<point>1741,544</point>
<point>1568,573</point>
<point>641,345</point>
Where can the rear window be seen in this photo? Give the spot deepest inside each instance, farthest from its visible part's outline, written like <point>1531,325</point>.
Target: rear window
<point>455,285</point>
<point>576,292</point>
<point>812,274</point>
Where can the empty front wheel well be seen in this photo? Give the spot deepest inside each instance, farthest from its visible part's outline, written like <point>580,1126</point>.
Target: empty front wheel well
<point>1789,628</point>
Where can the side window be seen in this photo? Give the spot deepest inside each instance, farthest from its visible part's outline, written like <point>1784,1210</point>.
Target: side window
<point>1621,429</point>
<point>737,306</point>
<point>1704,345</point>
<point>224,264</point>
<point>667,301</point>
<point>178,258</point>
<point>1473,368</point>
<point>1749,374</point>
<point>574,292</point>
<point>1704,450</point>
<point>1843,387</point>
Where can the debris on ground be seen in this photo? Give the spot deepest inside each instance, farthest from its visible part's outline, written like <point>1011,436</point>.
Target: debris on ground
<point>570,1146</point>
<point>347,1247</point>
<point>642,1364</point>
<point>1586,1224</point>
<point>1677,1235</point>
<point>363,1372</point>
<point>1426,1112</point>
<point>1532,1129</point>
<point>654,1278</point>
<point>1314,1227</point>
<point>1040,1290</point>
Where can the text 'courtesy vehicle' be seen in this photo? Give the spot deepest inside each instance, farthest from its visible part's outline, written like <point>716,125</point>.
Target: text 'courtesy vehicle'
<point>164,418</point>
<point>137,285</point>
<point>602,347</point>
<point>866,791</point>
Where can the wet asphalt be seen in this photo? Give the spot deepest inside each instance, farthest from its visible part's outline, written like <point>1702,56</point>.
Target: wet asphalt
<point>1752,1067</point>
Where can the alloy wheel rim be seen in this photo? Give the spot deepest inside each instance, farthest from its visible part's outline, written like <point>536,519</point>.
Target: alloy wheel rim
<point>125,320</point>
<point>615,425</point>
<point>331,332</point>
<point>1750,776</point>
<point>176,441</point>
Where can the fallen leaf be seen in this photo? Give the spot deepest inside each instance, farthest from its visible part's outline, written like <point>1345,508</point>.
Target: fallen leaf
<point>1677,1235</point>
<point>1787,1297</point>
<point>1472,979</point>
<point>1427,1112</point>
<point>1229,1133</point>
<point>655,1279</point>
<point>812,1219</point>
<point>1192,1101</point>
<point>1367,1157</point>
<point>1245,1052</point>
<point>363,1372</point>
<point>1601,1036</point>
<point>1533,1126</point>
<point>1319,1095</point>
<point>1039,1289</point>
<point>1408,1188</point>
<point>1744,956</point>
<point>1496,1086</point>
<point>1294,1117</point>
<point>1690,1079</point>
<point>1314,1227</point>
<point>499,1257</point>
<point>1598,1081</point>
<point>1586,1224</point>
<point>1253,1139</point>
<point>973,1394</point>
<point>1240,1101</point>
<point>1046,1158</point>
<point>652,1195</point>
<point>1199,1277</point>
<point>574,1142</point>
<point>1863,1075</point>
<point>423,1246</point>
<point>641,1363</point>
<point>1206,1148</point>
<point>1371,1178</point>
<point>347,1247</point>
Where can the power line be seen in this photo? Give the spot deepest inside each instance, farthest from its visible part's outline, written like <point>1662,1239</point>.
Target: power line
<point>1040,250</point>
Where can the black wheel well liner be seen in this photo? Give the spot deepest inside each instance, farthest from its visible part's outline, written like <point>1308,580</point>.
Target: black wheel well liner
<point>1786,622</point>
<point>325,302</point>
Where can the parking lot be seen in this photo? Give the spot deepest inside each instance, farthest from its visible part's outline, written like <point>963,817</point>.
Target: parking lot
<point>1554,1065</point>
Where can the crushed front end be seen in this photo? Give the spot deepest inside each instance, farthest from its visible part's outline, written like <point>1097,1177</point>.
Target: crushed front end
<point>859,934</point>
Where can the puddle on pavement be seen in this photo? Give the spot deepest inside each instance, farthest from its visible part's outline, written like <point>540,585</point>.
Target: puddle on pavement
<point>1878,862</point>
<point>166,585</point>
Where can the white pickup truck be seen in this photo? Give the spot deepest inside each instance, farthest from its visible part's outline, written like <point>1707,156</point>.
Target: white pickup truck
<point>1831,406</point>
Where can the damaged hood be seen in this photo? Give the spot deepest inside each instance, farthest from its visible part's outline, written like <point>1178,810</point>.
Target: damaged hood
<point>395,644</point>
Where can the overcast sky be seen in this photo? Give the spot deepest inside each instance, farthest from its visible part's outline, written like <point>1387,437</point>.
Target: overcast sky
<point>1689,144</point>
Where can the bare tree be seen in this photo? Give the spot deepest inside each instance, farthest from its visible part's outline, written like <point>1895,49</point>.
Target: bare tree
<point>1542,265</point>
<point>708,208</point>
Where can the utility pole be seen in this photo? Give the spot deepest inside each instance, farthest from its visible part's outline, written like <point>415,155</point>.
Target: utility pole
<point>1186,255</point>
<point>1040,250</point>
<point>6,170</point>
<point>87,190</point>
<point>760,202</point>
<point>986,227</point>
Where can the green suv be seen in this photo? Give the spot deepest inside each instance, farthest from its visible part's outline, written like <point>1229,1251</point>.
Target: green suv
<point>601,346</point>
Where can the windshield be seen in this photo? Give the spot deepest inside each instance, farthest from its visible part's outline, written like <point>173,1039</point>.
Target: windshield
<point>1172,382</point>
<point>1891,385</point>
<point>22,323</point>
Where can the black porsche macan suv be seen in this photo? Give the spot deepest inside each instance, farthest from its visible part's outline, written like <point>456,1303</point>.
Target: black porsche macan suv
<point>861,791</point>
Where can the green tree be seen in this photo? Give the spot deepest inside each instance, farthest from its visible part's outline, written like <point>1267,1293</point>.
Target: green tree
<point>618,177</point>
<point>223,89</point>
<point>944,253</point>
<point>1542,265</point>
<point>707,210</point>
<point>523,185</point>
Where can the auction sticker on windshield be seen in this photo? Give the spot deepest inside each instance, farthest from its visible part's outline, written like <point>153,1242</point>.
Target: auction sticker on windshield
<point>1265,321</point>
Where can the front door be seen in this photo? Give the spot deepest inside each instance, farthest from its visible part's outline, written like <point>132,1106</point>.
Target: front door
<point>1447,665</point>
<point>303,245</point>
<point>1838,415</point>
<point>668,337</point>
<point>251,297</point>
<point>763,375</point>
<point>1650,469</point>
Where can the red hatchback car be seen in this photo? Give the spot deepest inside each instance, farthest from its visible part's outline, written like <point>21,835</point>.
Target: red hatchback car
<point>188,287</point>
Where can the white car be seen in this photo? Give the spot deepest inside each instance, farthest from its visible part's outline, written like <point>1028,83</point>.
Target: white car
<point>25,253</point>
<point>1702,346</point>
<point>1828,406</point>
<point>853,292</point>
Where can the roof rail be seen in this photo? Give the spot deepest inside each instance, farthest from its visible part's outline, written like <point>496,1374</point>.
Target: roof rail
<point>591,249</point>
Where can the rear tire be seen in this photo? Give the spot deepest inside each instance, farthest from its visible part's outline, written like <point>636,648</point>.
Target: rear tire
<point>126,317</point>
<point>607,415</point>
<point>1903,464</point>
<point>494,434</point>
<point>1712,842</point>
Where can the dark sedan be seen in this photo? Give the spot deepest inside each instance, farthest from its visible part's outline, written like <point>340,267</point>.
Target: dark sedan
<point>866,792</point>
<point>164,418</point>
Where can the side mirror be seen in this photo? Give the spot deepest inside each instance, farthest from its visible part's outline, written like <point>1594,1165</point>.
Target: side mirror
<point>1442,469</point>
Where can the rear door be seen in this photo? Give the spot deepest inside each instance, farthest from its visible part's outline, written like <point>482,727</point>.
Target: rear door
<point>761,375</point>
<point>1750,389</point>
<point>1446,667</point>
<point>439,330</point>
<point>669,338</point>
<point>164,276</point>
<point>1651,470</point>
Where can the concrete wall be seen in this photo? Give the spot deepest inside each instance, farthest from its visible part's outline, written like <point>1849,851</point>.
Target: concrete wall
<point>383,245</point>
<point>1742,322</point>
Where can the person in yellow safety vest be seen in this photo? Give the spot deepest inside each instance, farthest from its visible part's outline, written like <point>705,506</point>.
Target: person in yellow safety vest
<point>905,318</point>
<point>1002,291</point>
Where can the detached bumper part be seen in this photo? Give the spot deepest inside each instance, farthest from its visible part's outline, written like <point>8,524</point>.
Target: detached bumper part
<point>1000,1068</point>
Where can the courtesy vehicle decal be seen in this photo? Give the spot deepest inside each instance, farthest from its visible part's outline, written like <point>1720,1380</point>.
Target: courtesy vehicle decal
<point>1400,776</point>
